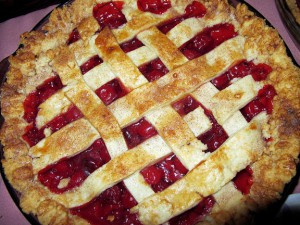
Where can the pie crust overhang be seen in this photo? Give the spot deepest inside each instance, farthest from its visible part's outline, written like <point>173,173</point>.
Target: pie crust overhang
<point>151,122</point>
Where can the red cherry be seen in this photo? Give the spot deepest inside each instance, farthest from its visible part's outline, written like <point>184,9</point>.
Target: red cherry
<point>109,14</point>
<point>111,91</point>
<point>195,9</point>
<point>153,70</point>
<point>131,45</point>
<point>185,105</point>
<point>152,174</point>
<point>154,6</point>
<point>222,33</point>
<point>244,180</point>
<point>146,130</point>
<point>90,64</point>
<point>261,71</point>
<point>73,37</point>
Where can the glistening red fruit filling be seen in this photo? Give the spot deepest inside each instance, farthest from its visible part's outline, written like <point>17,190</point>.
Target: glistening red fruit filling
<point>90,64</point>
<point>195,9</point>
<point>138,132</point>
<point>131,45</point>
<point>111,91</point>
<point>161,175</point>
<point>42,92</point>
<point>196,214</point>
<point>216,136</point>
<point>73,37</point>
<point>33,135</point>
<point>213,138</point>
<point>109,14</point>
<point>186,105</point>
<point>154,6</point>
<point>263,102</point>
<point>207,40</point>
<point>153,70</point>
<point>259,72</point>
<point>244,180</point>
<point>111,207</point>
<point>73,171</point>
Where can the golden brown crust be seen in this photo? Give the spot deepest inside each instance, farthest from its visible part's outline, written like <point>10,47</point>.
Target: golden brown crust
<point>44,52</point>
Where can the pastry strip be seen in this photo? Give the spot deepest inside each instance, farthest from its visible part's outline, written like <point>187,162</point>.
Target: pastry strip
<point>66,142</point>
<point>164,48</point>
<point>183,79</point>
<point>116,170</point>
<point>173,129</point>
<point>139,23</point>
<point>216,171</point>
<point>111,52</point>
<point>101,118</point>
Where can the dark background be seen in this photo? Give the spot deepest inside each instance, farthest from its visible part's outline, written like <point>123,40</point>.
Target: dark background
<point>13,8</point>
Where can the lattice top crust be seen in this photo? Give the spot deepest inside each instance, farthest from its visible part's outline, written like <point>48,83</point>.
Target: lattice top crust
<point>150,112</point>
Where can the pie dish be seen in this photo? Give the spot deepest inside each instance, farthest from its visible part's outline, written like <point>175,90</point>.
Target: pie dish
<point>294,6</point>
<point>289,13</point>
<point>150,112</point>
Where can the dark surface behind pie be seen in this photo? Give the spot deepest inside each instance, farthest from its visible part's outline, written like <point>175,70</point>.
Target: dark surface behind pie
<point>13,8</point>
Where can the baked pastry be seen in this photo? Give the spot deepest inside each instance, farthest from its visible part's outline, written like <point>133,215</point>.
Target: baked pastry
<point>294,6</point>
<point>150,112</point>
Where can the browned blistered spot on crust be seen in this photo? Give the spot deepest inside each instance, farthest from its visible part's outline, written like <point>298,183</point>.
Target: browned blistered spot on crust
<point>23,173</point>
<point>271,173</point>
<point>32,197</point>
<point>238,95</point>
<point>290,119</point>
<point>12,133</point>
<point>13,169</point>
<point>51,212</point>
<point>253,126</point>
<point>228,95</point>
<point>110,49</point>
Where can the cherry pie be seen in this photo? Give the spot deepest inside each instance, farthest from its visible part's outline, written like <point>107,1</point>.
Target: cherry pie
<point>150,112</point>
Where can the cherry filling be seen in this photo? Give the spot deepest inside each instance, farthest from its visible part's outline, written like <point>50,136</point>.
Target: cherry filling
<point>154,6</point>
<point>73,37</point>
<point>263,102</point>
<point>244,180</point>
<point>213,138</point>
<point>42,92</point>
<point>259,72</point>
<point>90,64</point>
<point>71,172</point>
<point>164,173</point>
<point>131,45</point>
<point>153,70</point>
<point>111,91</point>
<point>195,9</point>
<point>216,136</point>
<point>138,132</point>
<point>109,14</point>
<point>33,135</point>
<point>207,40</point>
<point>186,105</point>
<point>196,214</point>
<point>111,207</point>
